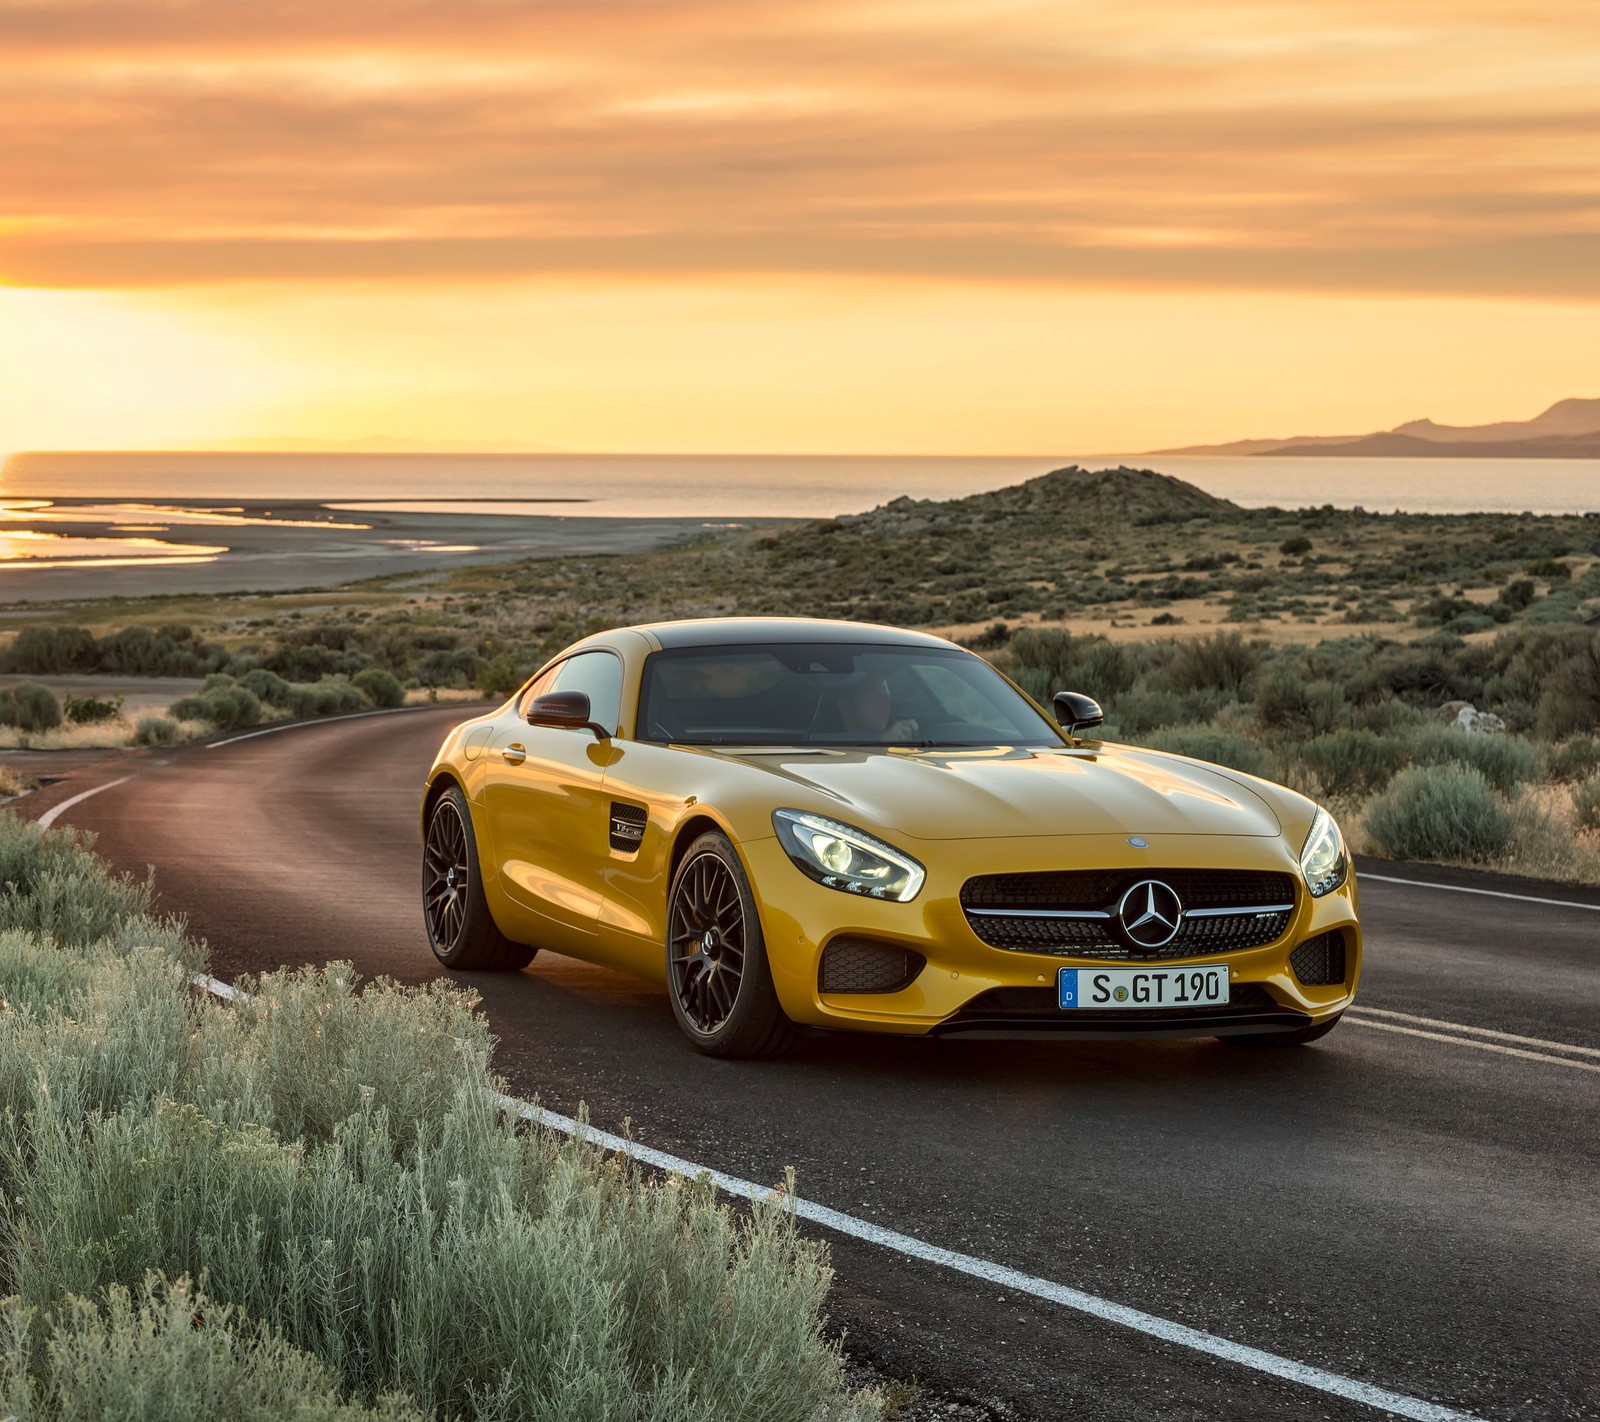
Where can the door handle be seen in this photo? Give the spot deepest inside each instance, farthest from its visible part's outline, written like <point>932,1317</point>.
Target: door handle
<point>515,753</point>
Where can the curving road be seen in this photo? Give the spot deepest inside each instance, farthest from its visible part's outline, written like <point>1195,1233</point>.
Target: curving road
<point>1411,1203</point>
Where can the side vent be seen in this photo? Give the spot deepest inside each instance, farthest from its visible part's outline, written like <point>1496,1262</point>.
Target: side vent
<point>1319,961</point>
<point>627,826</point>
<point>864,965</point>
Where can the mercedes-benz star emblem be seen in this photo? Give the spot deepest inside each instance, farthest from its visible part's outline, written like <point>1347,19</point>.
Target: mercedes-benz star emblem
<point>1151,913</point>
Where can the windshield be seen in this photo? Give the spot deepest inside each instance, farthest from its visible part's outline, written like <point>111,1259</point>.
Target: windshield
<point>843,694</point>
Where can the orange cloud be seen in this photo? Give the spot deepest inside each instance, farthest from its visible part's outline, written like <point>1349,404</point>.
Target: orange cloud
<point>1347,146</point>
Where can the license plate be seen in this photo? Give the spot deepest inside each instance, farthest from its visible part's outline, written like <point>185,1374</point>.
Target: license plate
<point>1143,988</point>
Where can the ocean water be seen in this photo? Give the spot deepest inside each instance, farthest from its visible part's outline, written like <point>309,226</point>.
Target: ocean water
<point>746,486</point>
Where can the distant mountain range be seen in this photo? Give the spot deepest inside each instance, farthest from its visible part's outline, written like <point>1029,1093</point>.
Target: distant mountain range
<point>1569,429</point>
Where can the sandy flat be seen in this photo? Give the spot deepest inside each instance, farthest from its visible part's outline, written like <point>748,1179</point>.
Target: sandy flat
<point>278,545</point>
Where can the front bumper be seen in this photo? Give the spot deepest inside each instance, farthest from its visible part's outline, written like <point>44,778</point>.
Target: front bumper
<point>969,988</point>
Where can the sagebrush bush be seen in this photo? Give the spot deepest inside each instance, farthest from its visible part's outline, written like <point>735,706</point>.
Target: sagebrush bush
<point>1586,803</point>
<point>332,696</point>
<point>334,1166</point>
<point>1287,700</point>
<point>1352,762</point>
<point>1220,747</point>
<point>224,702</point>
<point>155,731</point>
<point>1504,761</point>
<point>91,710</point>
<point>29,707</point>
<point>164,1352</point>
<point>1224,662</point>
<point>382,688</point>
<point>1576,758</point>
<point>1440,812</point>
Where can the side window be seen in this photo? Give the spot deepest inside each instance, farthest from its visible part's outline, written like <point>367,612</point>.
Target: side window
<point>599,676</point>
<point>538,687</point>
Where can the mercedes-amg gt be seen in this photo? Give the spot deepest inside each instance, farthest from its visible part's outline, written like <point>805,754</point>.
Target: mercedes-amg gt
<point>801,824</point>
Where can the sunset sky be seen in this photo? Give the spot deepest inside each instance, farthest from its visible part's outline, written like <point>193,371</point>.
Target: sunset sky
<point>941,226</point>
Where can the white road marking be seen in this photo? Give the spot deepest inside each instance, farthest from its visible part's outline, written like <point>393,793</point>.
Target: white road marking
<point>1477,1031</point>
<point>1470,1042</point>
<point>50,816</point>
<point>325,720</point>
<point>1487,893</point>
<point>1148,1323</point>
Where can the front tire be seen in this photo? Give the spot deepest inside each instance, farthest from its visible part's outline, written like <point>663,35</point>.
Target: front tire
<point>461,931</point>
<point>1298,1037</point>
<point>717,972</point>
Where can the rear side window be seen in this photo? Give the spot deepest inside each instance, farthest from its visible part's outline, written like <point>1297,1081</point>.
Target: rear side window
<point>598,675</point>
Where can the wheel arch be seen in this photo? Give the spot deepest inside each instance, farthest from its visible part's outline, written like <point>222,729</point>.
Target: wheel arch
<point>442,782</point>
<point>690,830</point>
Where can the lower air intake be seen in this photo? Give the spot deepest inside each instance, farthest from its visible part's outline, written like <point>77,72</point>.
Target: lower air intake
<point>865,965</point>
<point>1319,961</point>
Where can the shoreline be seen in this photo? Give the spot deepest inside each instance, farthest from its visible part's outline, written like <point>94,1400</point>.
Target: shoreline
<point>284,545</point>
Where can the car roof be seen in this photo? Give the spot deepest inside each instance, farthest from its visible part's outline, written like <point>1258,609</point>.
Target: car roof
<point>737,631</point>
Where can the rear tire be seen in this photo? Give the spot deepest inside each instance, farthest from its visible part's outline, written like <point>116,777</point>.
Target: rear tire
<point>717,972</point>
<point>1299,1037</point>
<point>461,931</point>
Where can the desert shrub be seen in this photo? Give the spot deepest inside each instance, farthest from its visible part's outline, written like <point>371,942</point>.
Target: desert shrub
<point>268,687</point>
<point>1570,703</point>
<point>381,687</point>
<point>1552,569</point>
<point>1504,761</point>
<point>173,650</point>
<point>1586,802</point>
<point>91,710</point>
<point>1140,712</point>
<point>1518,594</point>
<point>1440,812</point>
<point>1295,547</point>
<point>459,668</point>
<point>29,707</point>
<point>1224,662</point>
<point>1287,701</point>
<point>46,651</point>
<point>1389,716</point>
<point>50,888</point>
<point>164,1353</point>
<point>504,673</point>
<point>332,696</point>
<point>155,731</point>
<point>1574,759</point>
<point>1220,747</point>
<point>227,707</point>
<point>1353,762</point>
<point>1053,652</point>
<point>335,1167</point>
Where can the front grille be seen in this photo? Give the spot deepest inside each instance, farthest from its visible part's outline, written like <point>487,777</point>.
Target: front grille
<point>1319,961</point>
<point>627,826</point>
<point>1017,912</point>
<point>865,965</point>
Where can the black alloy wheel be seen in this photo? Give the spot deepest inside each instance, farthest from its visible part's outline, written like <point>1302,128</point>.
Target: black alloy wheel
<point>717,972</point>
<point>461,930</point>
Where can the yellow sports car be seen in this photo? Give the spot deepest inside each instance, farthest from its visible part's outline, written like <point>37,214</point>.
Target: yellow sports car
<point>807,824</point>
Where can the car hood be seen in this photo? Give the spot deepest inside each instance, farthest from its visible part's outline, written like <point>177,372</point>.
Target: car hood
<point>995,793</point>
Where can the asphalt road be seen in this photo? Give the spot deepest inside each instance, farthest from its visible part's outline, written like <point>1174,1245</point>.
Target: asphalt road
<point>1415,1213</point>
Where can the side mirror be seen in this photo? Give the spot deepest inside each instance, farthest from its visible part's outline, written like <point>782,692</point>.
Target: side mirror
<point>566,710</point>
<point>1076,712</point>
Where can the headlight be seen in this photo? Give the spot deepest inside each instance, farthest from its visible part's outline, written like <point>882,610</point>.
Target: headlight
<point>1323,860</point>
<point>846,858</point>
